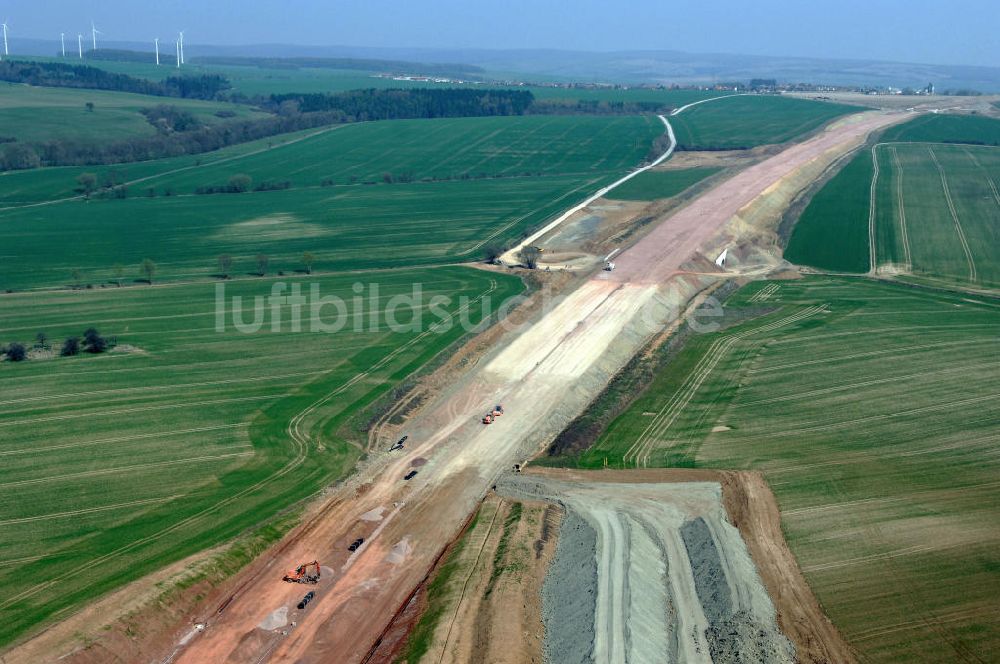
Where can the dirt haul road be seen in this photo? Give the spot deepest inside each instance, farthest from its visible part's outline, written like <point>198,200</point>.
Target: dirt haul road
<point>543,375</point>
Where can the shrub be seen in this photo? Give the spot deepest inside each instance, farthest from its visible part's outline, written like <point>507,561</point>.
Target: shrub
<point>70,347</point>
<point>16,352</point>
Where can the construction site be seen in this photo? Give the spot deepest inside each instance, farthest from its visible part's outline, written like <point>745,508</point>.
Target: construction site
<point>630,565</point>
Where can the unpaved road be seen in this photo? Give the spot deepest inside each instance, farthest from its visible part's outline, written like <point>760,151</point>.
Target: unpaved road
<point>544,376</point>
<point>673,581</point>
<point>511,256</point>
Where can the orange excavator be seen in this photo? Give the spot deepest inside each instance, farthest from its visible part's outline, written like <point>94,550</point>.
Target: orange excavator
<point>302,574</point>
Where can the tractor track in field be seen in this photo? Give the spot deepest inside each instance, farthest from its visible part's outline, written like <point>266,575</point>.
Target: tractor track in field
<point>645,443</point>
<point>121,439</point>
<point>986,174</point>
<point>973,276</point>
<point>874,353</point>
<point>89,510</point>
<point>872,198</point>
<point>848,386</point>
<point>900,204</point>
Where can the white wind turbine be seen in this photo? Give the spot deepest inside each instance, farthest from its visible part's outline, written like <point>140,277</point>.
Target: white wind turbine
<point>93,34</point>
<point>62,40</point>
<point>181,42</point>
<point>177,49</point>
<point>79,45</point>
<point>5,51</point>
<point>156,43</point>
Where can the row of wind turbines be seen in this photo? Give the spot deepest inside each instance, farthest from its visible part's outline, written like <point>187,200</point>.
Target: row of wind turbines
<point>178,43</point>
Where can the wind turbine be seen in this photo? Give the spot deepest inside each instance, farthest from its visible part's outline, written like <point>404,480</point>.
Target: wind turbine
<point>5,51</point>
<point>79,45</point>
<point>181,42</point>
<point>156,43</point>
<point>62,40</point>
<point>93,34</point>
<point>177,48</point>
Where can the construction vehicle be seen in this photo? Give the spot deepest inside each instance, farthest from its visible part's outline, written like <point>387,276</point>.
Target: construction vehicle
<point>498,410</point>
<point>399,444</point>
<point>410,475</point>
<point>609,266</point>
<point>488,418</point>
<point>302,574</point>
<point>356,544</point>
<point>305,600</point>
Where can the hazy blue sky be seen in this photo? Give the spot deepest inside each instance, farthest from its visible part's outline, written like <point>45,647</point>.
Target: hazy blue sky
<point>940,32</point>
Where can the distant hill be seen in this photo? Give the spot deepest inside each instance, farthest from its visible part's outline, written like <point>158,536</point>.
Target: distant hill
<point>617,66</point>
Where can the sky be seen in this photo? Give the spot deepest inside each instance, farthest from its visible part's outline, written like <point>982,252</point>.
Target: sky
<point>940,32</point>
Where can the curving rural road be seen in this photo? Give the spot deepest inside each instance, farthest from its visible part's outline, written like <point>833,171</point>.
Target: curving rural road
<point>510,257</point>
<point>544,374</point>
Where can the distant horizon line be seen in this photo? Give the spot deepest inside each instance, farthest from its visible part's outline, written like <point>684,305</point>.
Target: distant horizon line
<point>482,49</point>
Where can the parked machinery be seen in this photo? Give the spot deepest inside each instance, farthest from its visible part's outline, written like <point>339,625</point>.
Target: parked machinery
<point>304,573</point>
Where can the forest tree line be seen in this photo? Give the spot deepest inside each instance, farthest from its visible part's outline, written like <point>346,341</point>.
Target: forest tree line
<point>179,134</point>
<point>62,75</point>
<point>391,104</point>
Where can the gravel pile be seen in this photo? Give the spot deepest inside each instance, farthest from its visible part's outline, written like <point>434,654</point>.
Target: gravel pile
<point>734,634</point>
<point>741,639</point>
<point>569,595</point>
<point>709,577</point>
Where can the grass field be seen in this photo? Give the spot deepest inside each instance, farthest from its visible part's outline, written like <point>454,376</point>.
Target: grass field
<point>935,216</point>
<point>545,164</point>
<point>365,152</point>
<point>119,463</point>
<point>942,128</point>
<point>748,121</point>
<point>363,228</point>
<point>651,185</point>
<point>866,405</point>
<point>35,114</point>
<point>832,232</point>
<point>938,211</point>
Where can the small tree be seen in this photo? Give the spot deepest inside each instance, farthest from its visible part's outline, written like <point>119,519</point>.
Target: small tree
<point>148,269</point>
<point>308,258</point>
<point>93,342</point>
<point>90,106</point>
<point>41,341</point>
<point>529,256</point>
<point>262,261</point>
<point>16,352</point>
<point>240,183</point>
<point>492,252</point>
<point>87,183</point>
<point>70,347</point>
<point>225,265</point>
<point>119,272</point>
